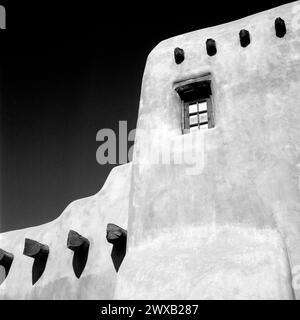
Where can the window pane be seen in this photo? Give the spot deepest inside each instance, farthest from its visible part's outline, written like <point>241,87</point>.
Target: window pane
<point>194,128</point>
<point>193,119</point>
<point>203,106</point>
<point>203,117</point>
<point>204,126</point>
<point>193,108</point>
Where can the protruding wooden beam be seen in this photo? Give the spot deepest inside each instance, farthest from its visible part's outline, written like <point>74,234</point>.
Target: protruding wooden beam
<point>6,260</point>
<point>35,249</point>
<point>244,38</point>
<point>118,237</point>
<point>194,90</point>
<point>115,234</point>
<point>77,242</point>
<point>178,55</point>
<point>211,47</point>
<point>39,252</point>
<point>80,245</point>
<point>280,27</point>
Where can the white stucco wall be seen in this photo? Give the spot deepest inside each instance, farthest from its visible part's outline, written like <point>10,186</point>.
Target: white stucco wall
<point>223,227</point>
<point>89,217</point>
<point>239,217</point>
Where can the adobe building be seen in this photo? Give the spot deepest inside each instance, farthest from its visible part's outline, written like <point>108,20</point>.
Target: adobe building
<point>223,226</point>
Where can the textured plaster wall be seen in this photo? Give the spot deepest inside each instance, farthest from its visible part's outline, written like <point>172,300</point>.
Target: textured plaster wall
<point>227,231</point>
<point>232,230</point>
<point>89,217</point>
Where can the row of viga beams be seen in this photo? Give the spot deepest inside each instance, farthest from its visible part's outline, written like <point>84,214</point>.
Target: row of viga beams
<point>75,242</point>
<point>244,35</point>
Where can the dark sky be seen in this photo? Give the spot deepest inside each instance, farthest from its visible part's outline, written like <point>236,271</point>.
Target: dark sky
<point>67,72</point>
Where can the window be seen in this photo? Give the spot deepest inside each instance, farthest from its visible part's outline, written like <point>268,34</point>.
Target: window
<point>197,109</point>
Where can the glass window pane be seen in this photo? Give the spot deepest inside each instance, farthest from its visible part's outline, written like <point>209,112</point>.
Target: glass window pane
<point>203,117</point>
<point>203,106</point>
<point>193,119</point>
<point>194,128</point>
<point>204,126</point>
<point>193,108</point>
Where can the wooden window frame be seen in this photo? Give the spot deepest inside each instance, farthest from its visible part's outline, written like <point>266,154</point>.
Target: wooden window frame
<point>186,114</point>
<point>188,91</point>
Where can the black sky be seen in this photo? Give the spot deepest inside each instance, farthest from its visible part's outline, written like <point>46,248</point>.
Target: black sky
<point>67,72</point>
